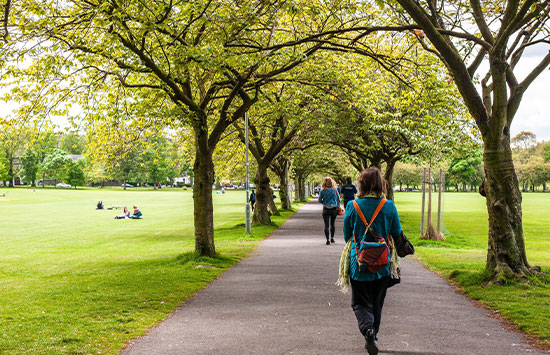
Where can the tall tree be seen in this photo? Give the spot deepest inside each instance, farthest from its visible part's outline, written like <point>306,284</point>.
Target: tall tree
<point>464,35</point>
<point>75,173</point>
<point>277,120</point>
<point>182,53</point>
<point>56,164</point>
<point>30,163</point>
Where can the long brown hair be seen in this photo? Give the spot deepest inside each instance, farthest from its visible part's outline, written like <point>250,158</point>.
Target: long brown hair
<point>371,182</point>
<point>328,183</point>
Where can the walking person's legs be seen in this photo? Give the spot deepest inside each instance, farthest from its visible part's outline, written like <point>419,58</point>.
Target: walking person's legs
<point>326,219</point>
<point>367,301</point>
<point>379,296</point>
<point>332,226</point>
<point>362,304</point>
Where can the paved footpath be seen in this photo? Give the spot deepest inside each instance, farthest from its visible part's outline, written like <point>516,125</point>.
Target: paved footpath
<point>283,300</point>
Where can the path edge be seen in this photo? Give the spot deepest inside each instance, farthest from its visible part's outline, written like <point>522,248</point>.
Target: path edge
<point>249,254</point>
<point>532,340</point>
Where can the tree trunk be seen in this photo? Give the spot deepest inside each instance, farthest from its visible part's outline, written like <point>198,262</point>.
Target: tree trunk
<point>202,198</point>
<point>272,206</point>
<point>283,192</point>
<point>263,196</point>
<point>430,230</point>
<point>280,167</point>
<point>506,257</point>
<point>303,189</point>
<point>300,188</point>
<point>10,174</point>
<point>388,175</point>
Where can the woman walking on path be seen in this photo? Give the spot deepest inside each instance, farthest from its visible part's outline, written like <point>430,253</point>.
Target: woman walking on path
<point>330,198</point>
<point>369,285</point>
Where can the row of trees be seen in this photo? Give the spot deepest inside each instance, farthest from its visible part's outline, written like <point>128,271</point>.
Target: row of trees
<point>53,157</point>
<point>359,79</point>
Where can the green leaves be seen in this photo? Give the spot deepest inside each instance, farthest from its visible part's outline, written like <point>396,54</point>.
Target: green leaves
<point>56,164</point>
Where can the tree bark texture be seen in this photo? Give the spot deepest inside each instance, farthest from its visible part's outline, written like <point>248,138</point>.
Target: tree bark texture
<point>506,253</point>
<point>202,198</point>
<point>283,191</point>
<point>280,167</point>
<point>388,175</point>
<point>272,206</point>
<point>300,188</point>
<point>263,196</point>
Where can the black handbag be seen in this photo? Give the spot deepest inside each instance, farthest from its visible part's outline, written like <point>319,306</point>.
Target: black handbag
<point>403,246</point>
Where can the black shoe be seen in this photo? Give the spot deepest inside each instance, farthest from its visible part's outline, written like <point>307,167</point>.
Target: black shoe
<point>328,243</point>
<point>332,240</point>
<point>370,344</point>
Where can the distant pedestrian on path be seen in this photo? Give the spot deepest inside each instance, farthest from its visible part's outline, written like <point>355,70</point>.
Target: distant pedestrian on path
<point>330,198</point>
<point>369,286</point>
<point>252,199</point>
<point>348,191</point>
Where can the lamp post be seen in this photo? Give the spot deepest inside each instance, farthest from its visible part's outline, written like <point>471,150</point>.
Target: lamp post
<point>247,177</point>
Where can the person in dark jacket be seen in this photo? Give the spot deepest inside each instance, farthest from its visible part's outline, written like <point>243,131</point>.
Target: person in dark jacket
<point>348,191</point>
<point>330,198</point>
<point>369,288</point>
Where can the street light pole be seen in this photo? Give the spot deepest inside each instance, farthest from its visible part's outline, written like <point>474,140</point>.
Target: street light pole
<point>247,176</point>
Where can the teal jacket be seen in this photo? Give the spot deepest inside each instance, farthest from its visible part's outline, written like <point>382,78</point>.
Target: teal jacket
<point>386,222</point>
<point>329,197</point>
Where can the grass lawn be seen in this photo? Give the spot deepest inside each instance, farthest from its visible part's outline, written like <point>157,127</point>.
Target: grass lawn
<point>73,280</point>
<point>463,254</point>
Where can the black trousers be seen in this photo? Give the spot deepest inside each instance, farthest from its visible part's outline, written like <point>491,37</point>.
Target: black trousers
<point>367,300</point>
<point>329,216</point>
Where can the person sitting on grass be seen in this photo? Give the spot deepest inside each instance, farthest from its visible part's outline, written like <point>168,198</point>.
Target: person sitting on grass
<point>125,214</point>
<point>99,205</point>
<point>137,213</point>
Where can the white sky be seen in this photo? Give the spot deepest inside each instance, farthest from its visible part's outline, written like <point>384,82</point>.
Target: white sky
<point>534,111</point>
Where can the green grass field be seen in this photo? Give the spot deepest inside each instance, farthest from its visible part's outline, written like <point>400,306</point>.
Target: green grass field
<point>73,280</point>
<point>463,254</point>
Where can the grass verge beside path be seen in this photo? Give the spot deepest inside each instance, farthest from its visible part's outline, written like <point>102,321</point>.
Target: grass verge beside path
<point>461,257</point>
<point>74,280</point>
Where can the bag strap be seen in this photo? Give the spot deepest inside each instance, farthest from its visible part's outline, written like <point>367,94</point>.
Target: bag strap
<point>376,211</point>
<point>362,216</point>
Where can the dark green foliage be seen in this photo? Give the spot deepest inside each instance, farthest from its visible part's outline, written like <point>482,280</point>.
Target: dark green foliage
<point>31,163</point>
